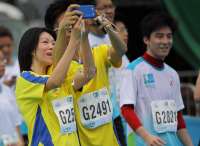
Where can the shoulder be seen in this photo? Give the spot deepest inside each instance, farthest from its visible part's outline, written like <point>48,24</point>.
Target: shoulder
<point>33,77</point>
<point>135,63</point>
<point>171,70</point>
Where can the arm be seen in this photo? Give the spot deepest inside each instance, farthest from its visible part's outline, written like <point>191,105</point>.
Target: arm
<point>20,135</point>
<point>182,132</point>
<point>130,116</point>
<point>70,18</point>
<point>119,47</point>
<point>184,137</point>
<point>59,72</point>
<point>197,89</point>
<point>88,62</point>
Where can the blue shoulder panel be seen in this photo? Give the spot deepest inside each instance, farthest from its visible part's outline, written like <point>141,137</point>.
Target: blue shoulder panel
<point>34,79</point>
<point>41,132</point>
<point>133,64</point>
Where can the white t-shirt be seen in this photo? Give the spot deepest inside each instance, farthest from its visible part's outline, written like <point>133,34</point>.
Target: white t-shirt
<point>9,112</point>
<point>142,84</point>
<point>11,70</point>
<point>96,40</point>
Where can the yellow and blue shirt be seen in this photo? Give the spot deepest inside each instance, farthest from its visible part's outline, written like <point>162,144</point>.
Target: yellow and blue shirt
<point>103,135</point>
<point>35,106</point>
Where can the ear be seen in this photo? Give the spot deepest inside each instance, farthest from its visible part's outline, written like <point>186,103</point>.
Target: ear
<point>146,40</point>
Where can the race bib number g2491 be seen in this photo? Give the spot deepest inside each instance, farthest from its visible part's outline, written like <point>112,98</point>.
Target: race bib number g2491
<point>95,108</point>
<point>64,110</point>
<point>164,115</point>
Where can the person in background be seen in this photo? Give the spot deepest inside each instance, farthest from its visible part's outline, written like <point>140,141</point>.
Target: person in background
<point>9,117</point>
<point>11,69</point>
<point>197,89</point>
<point>151,103</point>
<point>12,66</point>
<point>96,38</point>
<point>123,32</point>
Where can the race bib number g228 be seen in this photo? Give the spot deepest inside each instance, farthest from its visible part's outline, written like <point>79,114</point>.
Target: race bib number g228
<point>95,108</point>
<point>64,110</point>
<point>164,115</point>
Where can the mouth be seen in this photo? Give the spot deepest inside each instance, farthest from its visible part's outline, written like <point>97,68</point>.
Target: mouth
<point>164,48</point>
<point>49,54</point>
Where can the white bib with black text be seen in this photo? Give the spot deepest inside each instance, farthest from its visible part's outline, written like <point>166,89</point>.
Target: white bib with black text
<point>95,108</point>
<point>64,109</point>
<point>164,115</point>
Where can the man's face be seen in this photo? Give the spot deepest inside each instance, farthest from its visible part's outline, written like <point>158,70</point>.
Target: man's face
<point>122,31</point>
<point>56,25</point>
<point>107,7</point>
<point>159,43</point>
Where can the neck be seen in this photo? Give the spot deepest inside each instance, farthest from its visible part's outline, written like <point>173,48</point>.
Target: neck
<point>158,63</point>
<point>38,68</point>
<point>96,31</point>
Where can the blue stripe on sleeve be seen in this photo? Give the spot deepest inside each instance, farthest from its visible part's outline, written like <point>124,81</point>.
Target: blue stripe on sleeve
<point>41,133</point>
<point>133,64</point>
<point>34,79</point>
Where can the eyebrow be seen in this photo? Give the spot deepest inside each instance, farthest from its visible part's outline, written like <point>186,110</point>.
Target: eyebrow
<point>47,39</point>
<point>163,34</point>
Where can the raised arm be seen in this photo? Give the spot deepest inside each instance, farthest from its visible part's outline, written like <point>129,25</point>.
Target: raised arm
<point>69,18</point>
<point>88,62</point>
<point>119,47</point>
<point>60,70</point>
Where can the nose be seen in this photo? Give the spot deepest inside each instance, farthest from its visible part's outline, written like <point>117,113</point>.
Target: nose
<point>165,40</point>
<point>51,47</point>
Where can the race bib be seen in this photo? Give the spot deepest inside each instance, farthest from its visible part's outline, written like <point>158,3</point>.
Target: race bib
<point>95,108</point>
<point>64,109</point>
<point>164,115</point>
<point>9,139</point>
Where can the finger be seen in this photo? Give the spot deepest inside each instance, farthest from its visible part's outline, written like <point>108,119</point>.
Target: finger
<point>76,12</point>
<point>73,18</point>
<point>162,141</point>
<point>101,26</point>
<point>72,6</point>
<point>78,23</point>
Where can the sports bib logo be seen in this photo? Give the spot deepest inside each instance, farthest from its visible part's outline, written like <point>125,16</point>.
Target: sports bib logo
<point>149,81</point>
<point>96,95</point>
<point>69,99</point>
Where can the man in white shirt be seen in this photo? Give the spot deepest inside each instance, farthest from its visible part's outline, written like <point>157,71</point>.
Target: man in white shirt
<point>151,100</point>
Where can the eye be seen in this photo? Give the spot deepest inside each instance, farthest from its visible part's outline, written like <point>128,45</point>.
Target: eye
<point>169,36</point>
<point>45,42</point>
<point>54,44</point>
<point>159,36</point>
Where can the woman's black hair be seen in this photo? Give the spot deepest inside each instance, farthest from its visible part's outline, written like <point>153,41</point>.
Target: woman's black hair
<point>28,44</point>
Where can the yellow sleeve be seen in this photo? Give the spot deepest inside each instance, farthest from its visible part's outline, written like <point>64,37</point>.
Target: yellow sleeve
<point>104,50</point>
<point>68,88</point>
<point>30,86</point>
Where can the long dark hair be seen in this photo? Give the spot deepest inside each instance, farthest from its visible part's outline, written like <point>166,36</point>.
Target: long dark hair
<point>28,44</point>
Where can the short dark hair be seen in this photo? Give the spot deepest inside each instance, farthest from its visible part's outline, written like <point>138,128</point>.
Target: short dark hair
<point>88,2</point>
<point>55,10</point>
<point>155,21</point>
<point>28,44</point>
<point>4,32</point>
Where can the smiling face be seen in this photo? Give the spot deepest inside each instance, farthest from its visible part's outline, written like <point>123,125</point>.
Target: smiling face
<point>159,43</point>
<point>107,7</point>
<point>43,53</point>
